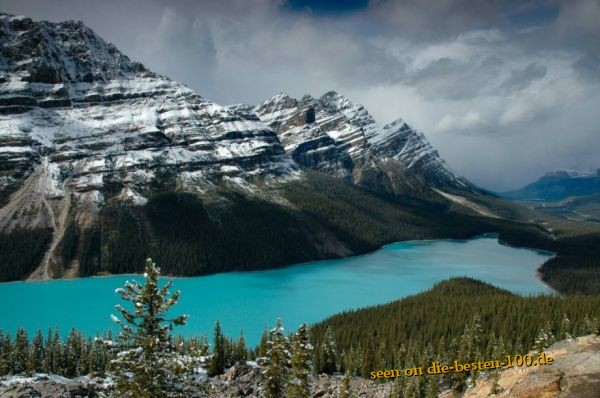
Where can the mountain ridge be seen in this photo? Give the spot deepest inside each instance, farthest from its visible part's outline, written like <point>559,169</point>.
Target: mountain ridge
<point>100,156</point>
<point>558,185</point>
<point>315,130</point>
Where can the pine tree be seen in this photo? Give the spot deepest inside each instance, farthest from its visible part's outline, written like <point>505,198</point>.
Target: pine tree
<point>276,362</point>
<point>263,344</point>
<point>20,352</point>
<point>5,354</point>
<point>56,350</point>
<point>240,353</point>
<point>73,354</point>
<point>544,338</point>
<point>468,352</point>
<point>565,328</point>
<point>498,351</point>
<point>147,363</point>
<point>301,364</point>
<point>412,388</point>
<point>36,354</point>
<point>433,387</point>
<point>217,361</point>
<point>329,353</point>
<point>587,326</point>
<point>346,388</point>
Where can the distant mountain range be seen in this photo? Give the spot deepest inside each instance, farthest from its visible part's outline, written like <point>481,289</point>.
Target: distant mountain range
<point>558,185</point>
<point>104,162</point>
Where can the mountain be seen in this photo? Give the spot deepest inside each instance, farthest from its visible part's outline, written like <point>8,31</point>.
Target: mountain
<point>82,126</point>
<point>558,185</point>
<point>82,118</point>
<point>104,162</point>
<point>332,135</point>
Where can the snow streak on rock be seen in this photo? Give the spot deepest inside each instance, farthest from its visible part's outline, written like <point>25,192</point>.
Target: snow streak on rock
<point>333,135</point>
<point>74,105</point>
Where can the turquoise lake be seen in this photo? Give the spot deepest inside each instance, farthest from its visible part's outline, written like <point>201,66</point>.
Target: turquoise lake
<point>301,293</point>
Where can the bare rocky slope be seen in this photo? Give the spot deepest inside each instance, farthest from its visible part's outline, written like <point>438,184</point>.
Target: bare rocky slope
<point>575,373</point>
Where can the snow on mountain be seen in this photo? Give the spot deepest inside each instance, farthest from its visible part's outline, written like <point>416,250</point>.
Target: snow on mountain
<point>333,135</point>
<point>572,173</point>
<point>81,118</point>
<point>80,121</point>
<point>558,185</point>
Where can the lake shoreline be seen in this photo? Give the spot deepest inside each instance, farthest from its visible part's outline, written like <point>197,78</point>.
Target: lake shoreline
<point>307,292</point>
<point>485,235</point>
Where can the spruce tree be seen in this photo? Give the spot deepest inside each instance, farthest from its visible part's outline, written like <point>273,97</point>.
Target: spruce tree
<point>36,354</point>
<point>20,352</point>
<point>346,388</point>
<point>56,350</point>
<point>587,326</point>
<point>5,354</point>
<point>544,338</point>
<point>240,353</point>
<point>329,353</point>
<point>565,328</point>
<point>468,352</point>
<point>217,361</point>
<point>301,364</point>
<point>433,387</point>
<point>498,351</point>
<point>147,363</point>
<point>72,354</point>
<point>276,362</point>
<point>263,344</point>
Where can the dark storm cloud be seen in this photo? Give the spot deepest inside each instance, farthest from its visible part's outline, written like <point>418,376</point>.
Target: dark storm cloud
<point>505,89</point>
<point>445,78</point>
<point>522,78</point>
<point>588,67</point>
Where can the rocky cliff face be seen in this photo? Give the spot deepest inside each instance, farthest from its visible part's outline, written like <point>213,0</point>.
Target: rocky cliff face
<point>85,130</point>
<point>78,118</point>
<point>333,135</point>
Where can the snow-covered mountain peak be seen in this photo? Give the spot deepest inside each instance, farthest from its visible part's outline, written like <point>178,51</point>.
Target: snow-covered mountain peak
<point>79,119</point>
<point>66,52</point>
<point>572,173</point>
<point>333,134</point>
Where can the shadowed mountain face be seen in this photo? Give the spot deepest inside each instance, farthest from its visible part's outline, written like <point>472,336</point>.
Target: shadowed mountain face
<point>558,185</point>
<point>90,140</point>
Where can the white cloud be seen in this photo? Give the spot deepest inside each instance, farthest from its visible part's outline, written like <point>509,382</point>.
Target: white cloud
<point>467,122</point>
<point>501,103</point>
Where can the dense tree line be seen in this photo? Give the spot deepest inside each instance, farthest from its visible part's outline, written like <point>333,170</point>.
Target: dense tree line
<point>456,319</point>
<point>73,356</point>
<point>459,319</point>
<point>192,235</point>
<point>21,251</point>
<point>576,269</point>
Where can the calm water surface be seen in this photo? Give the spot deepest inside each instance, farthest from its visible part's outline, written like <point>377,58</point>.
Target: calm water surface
<point>302,293</point>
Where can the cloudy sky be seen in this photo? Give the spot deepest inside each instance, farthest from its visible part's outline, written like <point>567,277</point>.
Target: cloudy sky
<point>505,90</point>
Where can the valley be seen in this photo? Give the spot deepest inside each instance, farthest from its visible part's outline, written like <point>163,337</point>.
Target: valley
<point>294,244</point>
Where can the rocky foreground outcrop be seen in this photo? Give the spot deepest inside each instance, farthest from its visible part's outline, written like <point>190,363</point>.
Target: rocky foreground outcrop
<point>575,373</point>
<point>238,381</point>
